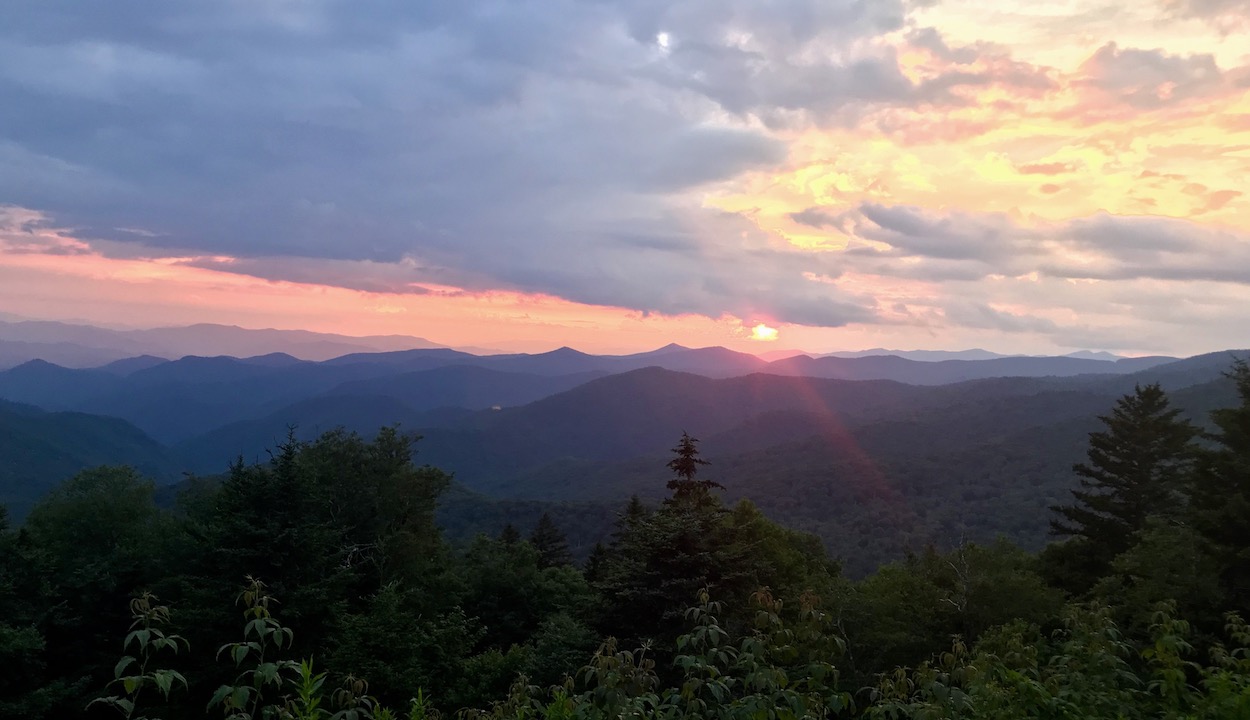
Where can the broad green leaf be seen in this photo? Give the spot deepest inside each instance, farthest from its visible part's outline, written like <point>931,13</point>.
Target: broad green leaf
<point>122,665</point>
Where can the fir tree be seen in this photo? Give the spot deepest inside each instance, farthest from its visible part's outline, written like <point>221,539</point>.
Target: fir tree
<point>1136,470</point>
<point>1221,491</point>
<point>549,541</point>
<point>685,466</point>
<point>509,535</point>
<point>596,562</point>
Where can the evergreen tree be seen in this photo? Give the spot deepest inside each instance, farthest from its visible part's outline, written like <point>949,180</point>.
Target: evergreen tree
<point>1136,470</point>
<point>323,524</point>
<point>685,466</point>
<point>595,563</point>
<point>1221,491</point>
<point>549,541</point>
<point>28,687</point>
<point>509,535</point>
<point>660,560</point>
<point>636,513</point>
<point>93,540</point>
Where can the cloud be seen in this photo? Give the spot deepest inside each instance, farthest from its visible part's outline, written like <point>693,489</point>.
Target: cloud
<point>980,237</point>
<point>1047,168</point>
<point>1141,80</point>
<point>817,218</point>
<point>576,149</point>
<point>981,315</point>
<point>919,243</point>
<point>1228,16</point>
<point>541,147</point>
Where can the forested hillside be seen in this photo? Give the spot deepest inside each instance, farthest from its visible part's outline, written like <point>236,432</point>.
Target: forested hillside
<point>318,582</point>
<point>874,467</point>
<point>40,449</point>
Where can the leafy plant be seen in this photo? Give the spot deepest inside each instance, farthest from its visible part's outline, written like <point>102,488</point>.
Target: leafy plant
<point>262,635</point>
<point>306,703</point>
<point>147,640</point>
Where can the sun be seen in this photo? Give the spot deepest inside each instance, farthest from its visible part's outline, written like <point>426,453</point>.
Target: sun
<point>763,333</point>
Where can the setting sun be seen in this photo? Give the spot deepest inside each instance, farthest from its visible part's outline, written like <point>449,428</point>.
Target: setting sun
<point>763,333</point>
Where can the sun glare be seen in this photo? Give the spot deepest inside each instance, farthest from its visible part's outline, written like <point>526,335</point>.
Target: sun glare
<point>763,333</point>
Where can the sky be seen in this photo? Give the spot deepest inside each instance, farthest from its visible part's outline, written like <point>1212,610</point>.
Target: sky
<point>614,175</point>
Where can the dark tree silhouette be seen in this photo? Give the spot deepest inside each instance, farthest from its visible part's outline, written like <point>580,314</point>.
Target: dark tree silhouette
<point>1136,470</point>
<point>1220,507</point>
<point>509,535</point>
<point>685,466</point>
<point>549,541</point>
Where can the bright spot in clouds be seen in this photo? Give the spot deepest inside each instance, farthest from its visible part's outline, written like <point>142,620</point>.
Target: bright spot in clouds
<point>763,333</point>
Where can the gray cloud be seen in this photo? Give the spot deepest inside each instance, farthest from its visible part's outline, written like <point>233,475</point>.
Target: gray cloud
<point>1149,79</point>
<point>919,243</point>
<point>549,147</point>
<point>1226,15</point>
<point>818,218</point>
<point>980,315</point>
<point>909,231</point>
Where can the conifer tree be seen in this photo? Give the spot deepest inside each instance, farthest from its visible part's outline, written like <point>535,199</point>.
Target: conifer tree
<point>549,541</point>
<point>661,559</point>
<point>635,513</point>
<point>1221,491</point>
<point>509,535</point>
<point>685,466</point>
<point>1136,470</point>
<point>596,562</point>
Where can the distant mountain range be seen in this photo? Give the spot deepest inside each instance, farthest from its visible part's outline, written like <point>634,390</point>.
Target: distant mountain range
<point>78,345</point>
<point>931,355</point>
<point>177,400</point>
<point>974,354</point>
<point>82,346</point>
<point>874,453</point>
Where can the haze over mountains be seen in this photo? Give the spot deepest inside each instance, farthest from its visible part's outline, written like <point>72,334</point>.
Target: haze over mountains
<point>78,346</point>
<point>875,453</point>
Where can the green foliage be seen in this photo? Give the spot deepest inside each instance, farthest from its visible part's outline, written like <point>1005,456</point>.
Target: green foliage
<point>1221,492</point>
<point>560,646</point>
<point>305,703</point>
<point>900,614</point>
<point>1168,562</point>
<point>344,530</point>
<point>552,546</point>
<point>396,641</point>
<point>28,687</point>
<point>1086,671</point>
<point>659,559</point>
<point>253,695</point>
<point>512,593</point>
<point>96,539</point>
<point>40,449</point>
<point>685,465</point>
<point>133,674</point>
<point>1136,470</point>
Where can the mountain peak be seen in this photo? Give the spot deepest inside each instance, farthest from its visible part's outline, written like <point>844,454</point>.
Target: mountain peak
<point>274,359</point>
<point>36,365</point>
<point>671,347</point>
<point>564,351</point>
